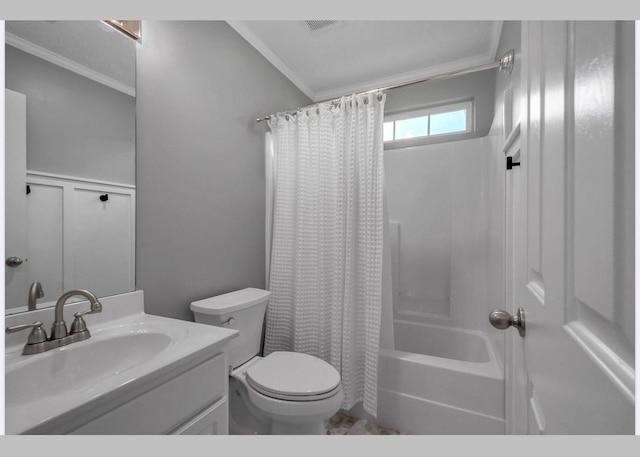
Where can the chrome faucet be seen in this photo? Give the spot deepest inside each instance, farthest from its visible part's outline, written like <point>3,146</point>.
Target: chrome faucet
<point>35,292</point>
<point>38,341</point>
<point>59,327</point>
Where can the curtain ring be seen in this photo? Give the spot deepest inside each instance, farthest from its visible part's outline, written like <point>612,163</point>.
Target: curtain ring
<point>286,117</point>
<point>366,100</point>
<point>379,97</point>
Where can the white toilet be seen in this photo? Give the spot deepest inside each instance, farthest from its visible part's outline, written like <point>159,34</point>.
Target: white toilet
<point>284,393</point>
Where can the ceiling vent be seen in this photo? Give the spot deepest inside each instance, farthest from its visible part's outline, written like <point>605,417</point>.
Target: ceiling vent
<point>316,26</point>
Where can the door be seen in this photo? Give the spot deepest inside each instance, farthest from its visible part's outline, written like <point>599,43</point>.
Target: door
<point>15,277</point>
<point>573,232</point>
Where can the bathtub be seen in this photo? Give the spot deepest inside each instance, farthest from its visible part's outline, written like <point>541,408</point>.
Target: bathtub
<point>440,381</point>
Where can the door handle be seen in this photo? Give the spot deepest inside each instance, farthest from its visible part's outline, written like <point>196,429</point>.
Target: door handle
<point>13,261</point>
<point>501,319</point>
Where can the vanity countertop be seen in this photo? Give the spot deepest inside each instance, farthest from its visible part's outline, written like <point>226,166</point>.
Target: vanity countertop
<point>124,357</point>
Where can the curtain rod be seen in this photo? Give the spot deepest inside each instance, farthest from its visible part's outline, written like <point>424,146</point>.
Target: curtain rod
<point>504,64</point>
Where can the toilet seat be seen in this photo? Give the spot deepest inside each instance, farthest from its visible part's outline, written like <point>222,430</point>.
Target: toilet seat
<point>293,376</point>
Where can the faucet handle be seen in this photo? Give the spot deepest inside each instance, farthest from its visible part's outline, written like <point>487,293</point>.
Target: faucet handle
<point>95,308</point>
<point>79,325</point>
<point>37,335</point>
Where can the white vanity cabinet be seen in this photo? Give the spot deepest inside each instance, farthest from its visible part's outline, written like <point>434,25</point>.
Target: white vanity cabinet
<point>214,420</point>
<point>192,402</point>
<point>138,374</point>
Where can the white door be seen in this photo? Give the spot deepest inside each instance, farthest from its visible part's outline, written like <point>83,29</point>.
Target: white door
<point>15,277</point>
<point>573,232</point>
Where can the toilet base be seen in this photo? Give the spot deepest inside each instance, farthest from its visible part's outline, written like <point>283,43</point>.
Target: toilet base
<point>243,418</point>
<point>246,420</point>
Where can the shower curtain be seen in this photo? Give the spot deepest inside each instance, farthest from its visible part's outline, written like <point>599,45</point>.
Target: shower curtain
<point>325,259</point>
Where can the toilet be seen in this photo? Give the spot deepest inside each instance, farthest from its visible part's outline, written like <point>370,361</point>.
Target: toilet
<point>284,393</point>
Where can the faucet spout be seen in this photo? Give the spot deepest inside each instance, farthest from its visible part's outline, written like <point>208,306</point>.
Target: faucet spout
<point>59,328</point>
<point>35,292</point>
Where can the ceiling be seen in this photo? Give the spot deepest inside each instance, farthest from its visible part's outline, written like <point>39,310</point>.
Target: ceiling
<point>84,46</point>
<point>346,57</point>
<point>353,56</point>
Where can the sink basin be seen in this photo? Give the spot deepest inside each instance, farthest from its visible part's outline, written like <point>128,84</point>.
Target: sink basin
<point>58,371</point>
<point>124,358</point>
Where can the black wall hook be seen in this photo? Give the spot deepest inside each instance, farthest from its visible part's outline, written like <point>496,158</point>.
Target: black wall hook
<point>104,197</point>
<point>511,163</point>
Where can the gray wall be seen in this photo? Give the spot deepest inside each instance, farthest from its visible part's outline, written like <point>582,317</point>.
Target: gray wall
<point>200,162</point>
<point>478,86</point>
<point>75,126</point>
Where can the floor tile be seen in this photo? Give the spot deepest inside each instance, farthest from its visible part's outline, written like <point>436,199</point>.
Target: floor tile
<point>343,424</point>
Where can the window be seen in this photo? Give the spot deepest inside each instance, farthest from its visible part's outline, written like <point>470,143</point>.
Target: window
<point>429,122</point>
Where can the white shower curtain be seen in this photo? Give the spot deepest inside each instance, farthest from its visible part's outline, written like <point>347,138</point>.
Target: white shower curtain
<point>326,254</point>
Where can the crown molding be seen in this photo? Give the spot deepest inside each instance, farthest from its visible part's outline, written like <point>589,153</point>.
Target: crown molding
<point>262,48</point>
<point>57,59</point>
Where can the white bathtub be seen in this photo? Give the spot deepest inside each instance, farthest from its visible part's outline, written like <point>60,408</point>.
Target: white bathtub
<point>440,381</point>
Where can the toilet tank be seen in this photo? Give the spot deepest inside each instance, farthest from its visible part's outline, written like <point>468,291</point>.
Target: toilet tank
<point>243,310</point>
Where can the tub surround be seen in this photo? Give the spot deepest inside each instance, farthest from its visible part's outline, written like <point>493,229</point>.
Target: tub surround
<point>436,211</point>
<point>193,357</point>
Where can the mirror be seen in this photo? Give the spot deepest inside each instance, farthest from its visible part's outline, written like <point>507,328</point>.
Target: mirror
<point>69,160</point>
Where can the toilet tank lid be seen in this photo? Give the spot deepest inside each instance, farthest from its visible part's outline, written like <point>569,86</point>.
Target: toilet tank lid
<point>230,302</point>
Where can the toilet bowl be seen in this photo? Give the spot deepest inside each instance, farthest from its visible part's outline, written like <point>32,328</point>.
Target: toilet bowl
<point>297,392</point>
<point>281,393</point>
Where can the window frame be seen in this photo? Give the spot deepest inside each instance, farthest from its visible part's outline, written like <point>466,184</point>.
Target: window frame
<point>467,104</point>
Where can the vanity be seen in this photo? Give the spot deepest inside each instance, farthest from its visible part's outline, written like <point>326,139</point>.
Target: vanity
<point>137,374</point>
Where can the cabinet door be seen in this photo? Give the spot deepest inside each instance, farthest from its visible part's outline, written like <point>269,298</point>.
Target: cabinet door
<point>212,421</point>
<point>160,410</point>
